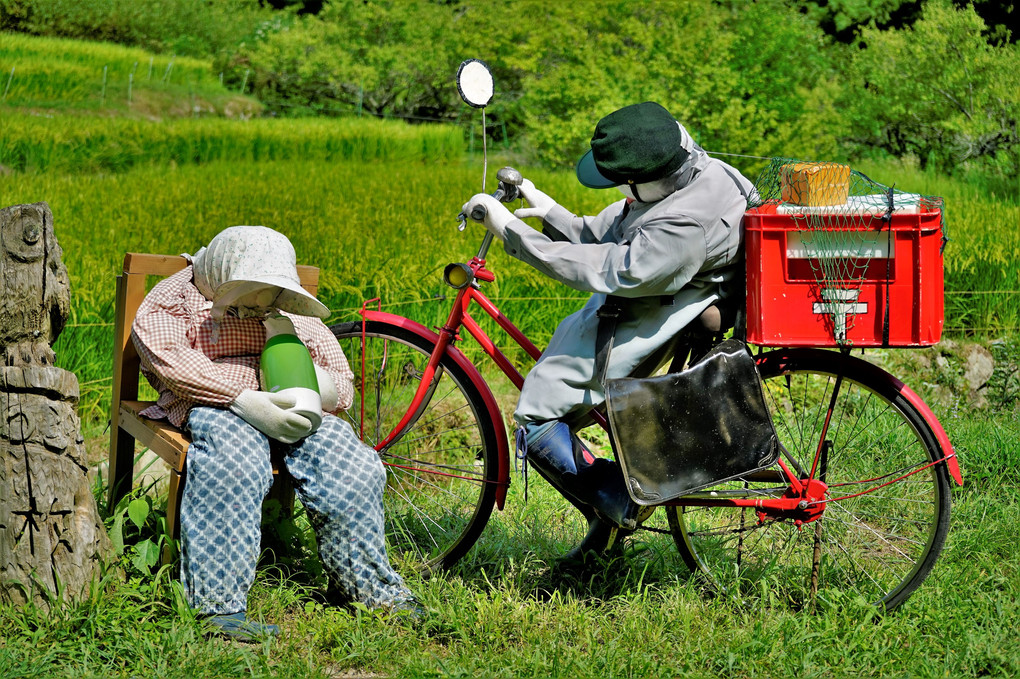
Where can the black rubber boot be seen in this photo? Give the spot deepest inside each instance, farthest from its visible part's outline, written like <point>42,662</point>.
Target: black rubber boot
<point>600,538</point>
<point>601,535</point>
<point>582,478</point>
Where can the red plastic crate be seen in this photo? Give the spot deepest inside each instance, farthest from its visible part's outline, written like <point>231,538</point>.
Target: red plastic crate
<point>787,306</point>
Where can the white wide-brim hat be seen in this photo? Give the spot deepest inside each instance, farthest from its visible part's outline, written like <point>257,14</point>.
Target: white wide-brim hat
<point>241,260</point>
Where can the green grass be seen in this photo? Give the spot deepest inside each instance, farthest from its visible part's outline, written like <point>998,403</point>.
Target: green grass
<point>376,229</point>
<point>982,275</point>
<point>387,229</point>
<point>92,144</point>
<point>67,76</point>
<point>503,613</point>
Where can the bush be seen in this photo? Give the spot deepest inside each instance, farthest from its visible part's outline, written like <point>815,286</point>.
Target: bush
<point>382,58</point>
<point>756,82</point>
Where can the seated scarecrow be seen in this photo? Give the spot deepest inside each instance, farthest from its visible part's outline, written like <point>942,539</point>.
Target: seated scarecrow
<point>200,334</point>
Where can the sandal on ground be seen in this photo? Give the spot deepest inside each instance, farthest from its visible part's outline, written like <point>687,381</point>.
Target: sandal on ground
<point>237,626</point>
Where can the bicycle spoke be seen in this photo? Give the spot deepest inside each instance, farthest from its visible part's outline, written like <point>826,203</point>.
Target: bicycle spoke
<point>426,437</point>
<point>851,561</point>
<point>441,469</point>
<point>439,488</point>
<point>424,517</point>
<point>858,522</point>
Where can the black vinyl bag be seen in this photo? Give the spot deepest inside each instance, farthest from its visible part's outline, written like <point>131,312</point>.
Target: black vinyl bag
<point>685,431</point>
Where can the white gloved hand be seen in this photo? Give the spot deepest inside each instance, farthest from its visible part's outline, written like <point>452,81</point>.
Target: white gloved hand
<point>497,216</point>
<point>268,413</point>
<point>327,389</point>
<point>540,202</point>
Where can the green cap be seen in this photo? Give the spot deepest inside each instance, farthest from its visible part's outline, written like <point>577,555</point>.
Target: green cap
<point>636,144</point>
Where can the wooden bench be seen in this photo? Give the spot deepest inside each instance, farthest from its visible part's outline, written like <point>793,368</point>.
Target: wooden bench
<point>127,426</point>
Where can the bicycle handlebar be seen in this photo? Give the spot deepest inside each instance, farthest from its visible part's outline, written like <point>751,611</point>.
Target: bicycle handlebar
<point>479,211</point>
<point>508,191</point>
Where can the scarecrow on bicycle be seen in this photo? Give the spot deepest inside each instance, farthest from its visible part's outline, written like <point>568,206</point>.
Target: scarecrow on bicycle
<point>660,256</point>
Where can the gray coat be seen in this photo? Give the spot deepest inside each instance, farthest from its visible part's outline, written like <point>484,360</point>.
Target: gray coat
<point>687,245</point>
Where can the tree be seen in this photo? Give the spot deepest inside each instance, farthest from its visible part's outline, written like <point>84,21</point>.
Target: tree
<point>380,58</point>
<point>844,19</point>
<point>938,91</point>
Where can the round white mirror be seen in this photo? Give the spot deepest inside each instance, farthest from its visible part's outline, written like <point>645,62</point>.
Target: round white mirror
<point>474,82</point>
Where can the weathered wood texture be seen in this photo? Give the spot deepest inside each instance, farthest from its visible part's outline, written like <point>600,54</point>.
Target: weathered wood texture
<point>52,541</point>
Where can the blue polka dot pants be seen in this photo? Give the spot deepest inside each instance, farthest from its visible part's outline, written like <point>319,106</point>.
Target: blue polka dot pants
<point>339,480</point>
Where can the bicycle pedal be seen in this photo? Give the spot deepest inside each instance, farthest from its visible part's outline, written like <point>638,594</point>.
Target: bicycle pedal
<point>614,538</point>
<point>644,513</point>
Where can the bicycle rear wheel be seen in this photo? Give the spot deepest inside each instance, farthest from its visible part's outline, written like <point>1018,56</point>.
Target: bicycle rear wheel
<point>442,470</point>
<point>873,540</point>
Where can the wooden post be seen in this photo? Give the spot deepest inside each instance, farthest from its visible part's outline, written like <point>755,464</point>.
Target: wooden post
<point>52,541</point>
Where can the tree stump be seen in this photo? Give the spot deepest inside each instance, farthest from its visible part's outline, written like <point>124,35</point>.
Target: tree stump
<point>52,541</point>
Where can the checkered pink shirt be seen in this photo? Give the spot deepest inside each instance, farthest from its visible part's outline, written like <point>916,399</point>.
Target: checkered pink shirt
<point>190,359</point>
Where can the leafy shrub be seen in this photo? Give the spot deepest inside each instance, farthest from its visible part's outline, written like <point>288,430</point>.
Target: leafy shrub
<point>734,91</point>
<point>381,58</point>
<point>138,532</point>
<point>1004,385</point>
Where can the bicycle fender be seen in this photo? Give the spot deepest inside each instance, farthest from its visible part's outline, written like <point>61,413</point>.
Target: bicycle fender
<point>462,361</point>
<point>947,448</point>
<point>929,417</point>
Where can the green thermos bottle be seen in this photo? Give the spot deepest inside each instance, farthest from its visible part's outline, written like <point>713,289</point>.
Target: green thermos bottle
<point>287,368</point>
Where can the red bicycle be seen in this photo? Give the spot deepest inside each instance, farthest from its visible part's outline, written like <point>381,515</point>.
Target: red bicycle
<point>858,501</point>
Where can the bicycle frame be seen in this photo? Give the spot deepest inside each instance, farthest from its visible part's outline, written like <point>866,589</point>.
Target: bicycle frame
<point>799,497</point>
<point>468,292</point>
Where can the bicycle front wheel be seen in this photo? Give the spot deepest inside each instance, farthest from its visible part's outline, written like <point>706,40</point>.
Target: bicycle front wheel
<point>887,500</point>
<point>442,468</point>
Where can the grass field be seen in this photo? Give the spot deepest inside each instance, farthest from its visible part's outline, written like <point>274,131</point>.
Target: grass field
<point>378,217</point>
<point>72,76</point>
<point>503,613</point>
<point>376,230</point>
<point>387,229</point>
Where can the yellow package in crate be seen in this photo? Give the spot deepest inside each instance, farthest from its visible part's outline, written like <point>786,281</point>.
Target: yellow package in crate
<point>814,183</point>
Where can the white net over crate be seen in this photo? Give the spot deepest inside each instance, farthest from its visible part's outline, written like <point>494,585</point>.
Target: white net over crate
<point>844,220</point>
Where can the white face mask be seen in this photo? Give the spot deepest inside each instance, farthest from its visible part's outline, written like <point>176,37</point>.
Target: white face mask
<point>253,300</point>
<point>651,192</point>
<point>259,297</point>
<point>648,192</point>
<point>249,312</point>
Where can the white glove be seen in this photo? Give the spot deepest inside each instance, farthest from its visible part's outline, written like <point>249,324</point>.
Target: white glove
<point>327,389</point>
<point>496,214</point>
<point>268,413</point>
<point>540,202</point>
